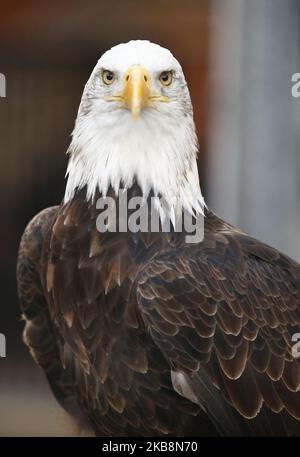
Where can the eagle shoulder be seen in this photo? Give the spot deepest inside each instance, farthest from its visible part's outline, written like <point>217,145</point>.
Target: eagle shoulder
<point>225,311</point>
<point>39,334</point>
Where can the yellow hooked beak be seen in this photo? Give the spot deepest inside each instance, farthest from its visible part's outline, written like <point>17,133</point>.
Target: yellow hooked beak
<point>136,89</point>
<point>137,93</point>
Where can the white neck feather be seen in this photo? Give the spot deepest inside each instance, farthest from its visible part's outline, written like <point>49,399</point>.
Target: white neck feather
<point>157,152</point>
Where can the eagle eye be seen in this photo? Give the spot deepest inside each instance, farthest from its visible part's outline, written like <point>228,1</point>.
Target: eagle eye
<point>166,78</point>
<point>108,77</point>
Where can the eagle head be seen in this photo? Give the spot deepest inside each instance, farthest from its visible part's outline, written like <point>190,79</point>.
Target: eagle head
<point>135,125</point>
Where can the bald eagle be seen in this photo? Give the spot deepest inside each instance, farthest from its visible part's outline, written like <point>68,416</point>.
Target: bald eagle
<point>140,332</point>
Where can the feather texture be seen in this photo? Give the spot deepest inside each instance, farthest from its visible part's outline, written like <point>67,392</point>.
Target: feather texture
<point>115,319</point>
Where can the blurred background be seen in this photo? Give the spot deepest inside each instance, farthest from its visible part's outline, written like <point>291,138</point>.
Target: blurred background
<point>238,58</point>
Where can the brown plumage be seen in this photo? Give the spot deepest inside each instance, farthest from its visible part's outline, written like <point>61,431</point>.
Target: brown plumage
<point>118,321</point>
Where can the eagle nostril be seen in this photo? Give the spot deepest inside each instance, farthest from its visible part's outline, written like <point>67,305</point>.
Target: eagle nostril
<point>127,78</point>
<point>145,78</point>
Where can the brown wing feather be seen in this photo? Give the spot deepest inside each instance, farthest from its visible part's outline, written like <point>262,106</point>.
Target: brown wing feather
<point>222,313</point>
<point>39,334</point>
<point>122,381</point>
<point>228,307</point>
